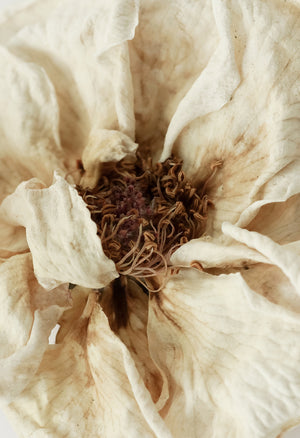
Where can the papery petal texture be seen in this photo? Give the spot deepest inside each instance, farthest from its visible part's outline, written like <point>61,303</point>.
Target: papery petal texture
<point>230,356</point>
<point>61,236</point>
<point>256,134</point>
<point>87,385</point>
<point>28,314</point>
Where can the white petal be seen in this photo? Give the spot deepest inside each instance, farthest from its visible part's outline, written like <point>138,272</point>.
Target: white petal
<point>60,233</point>
<point>103,146</point>
<point>256,134</point>
<point>30,144</point>
<point>133,332</point>
<point>281,256</point>
<point>215,85</point>
<point>215,254</point>
<point>87,385</point>
<point>164,73</point>
<point>28,314</point>
<point>82,46</point>
<point>230,355</point>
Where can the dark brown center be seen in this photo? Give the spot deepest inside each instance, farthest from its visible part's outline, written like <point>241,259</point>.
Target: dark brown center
<point>144,212</point>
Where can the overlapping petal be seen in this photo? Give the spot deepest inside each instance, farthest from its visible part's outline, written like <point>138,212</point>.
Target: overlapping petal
<point>230,355</point>
<point>256,134</point>
<point>61,236</point>
<point>28,314</point>
<point>87,384</point>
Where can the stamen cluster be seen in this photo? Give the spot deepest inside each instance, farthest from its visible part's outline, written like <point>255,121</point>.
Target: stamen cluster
<point>144,212</point>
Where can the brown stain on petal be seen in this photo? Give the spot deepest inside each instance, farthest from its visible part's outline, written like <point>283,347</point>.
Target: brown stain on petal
<point>159,299</point>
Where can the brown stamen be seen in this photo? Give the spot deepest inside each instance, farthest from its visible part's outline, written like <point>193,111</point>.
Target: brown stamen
<point>145,212</point>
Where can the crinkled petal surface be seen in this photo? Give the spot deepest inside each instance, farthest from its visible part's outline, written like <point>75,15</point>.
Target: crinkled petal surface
<point>230,356</point>
<point>256,134</point>
<point>61,236</point>
<point>28,314</point>
<point>87,385</point>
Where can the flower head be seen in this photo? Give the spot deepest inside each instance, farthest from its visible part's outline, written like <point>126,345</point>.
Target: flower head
<point>149,156</point>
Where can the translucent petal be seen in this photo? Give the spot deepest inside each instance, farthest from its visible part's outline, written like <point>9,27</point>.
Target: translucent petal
<point>82,47</point>
<point>30,144</point>
<point>28,314</point>
<point>60,233</point>
<point>230,355</point>
<point>87,385</point>
<point>256,134</point>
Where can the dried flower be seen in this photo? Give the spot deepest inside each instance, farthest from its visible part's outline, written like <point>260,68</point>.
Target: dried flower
<point>175,281</point>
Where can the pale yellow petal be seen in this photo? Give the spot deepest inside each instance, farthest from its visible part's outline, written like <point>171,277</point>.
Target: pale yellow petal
<point>87,385</point>
<point>28,314</point>
<point>104,146</point>
<point>30,144</point>
<point>230,355</point>
<point>60,233</point>
<point>82,47</point>
<point>256,134</point>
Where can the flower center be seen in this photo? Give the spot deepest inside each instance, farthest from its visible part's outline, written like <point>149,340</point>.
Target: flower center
<point>144,212</point>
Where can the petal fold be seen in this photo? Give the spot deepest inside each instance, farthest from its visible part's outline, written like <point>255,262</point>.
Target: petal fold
<point>60,233</point>
<point>227,352</point>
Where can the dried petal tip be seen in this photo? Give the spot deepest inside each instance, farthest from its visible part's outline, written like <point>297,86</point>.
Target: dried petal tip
<point>143,213</point>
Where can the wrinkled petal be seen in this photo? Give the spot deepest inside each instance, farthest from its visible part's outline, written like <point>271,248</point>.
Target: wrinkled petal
<point>280,221</point>
<point>28,314</point>
<point>104,146</point>
<point>256,134</point>
<point>164,73</point>
<point>60,233</point>
<point>82,47</point>
<point>215,85</point>
<point>87,385</point>
<point>133,333</point>
<point>215,254</point>
<point>230,355</point>
<point>287,260</point>
<point>30,144</point>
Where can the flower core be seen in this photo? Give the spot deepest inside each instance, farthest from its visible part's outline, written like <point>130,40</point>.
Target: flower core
<point>144,212</point>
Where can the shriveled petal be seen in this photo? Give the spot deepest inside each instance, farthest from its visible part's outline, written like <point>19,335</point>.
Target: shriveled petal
<point>211,253</point>
<point>280,221</point>
<point>256,134</point>
<point>87,385</point>
<point>60,233</point>
<point>164,73</point>
<point>13,18</point>
<point>104,146</point>
<point>230,355</point>
<point>133,332</point>
<point>28,314</point>
<point>82,47</point>
<point>29,134</point>
<point>279,255</point>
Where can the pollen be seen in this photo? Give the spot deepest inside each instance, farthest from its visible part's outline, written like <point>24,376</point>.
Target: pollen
<point>144,212</point>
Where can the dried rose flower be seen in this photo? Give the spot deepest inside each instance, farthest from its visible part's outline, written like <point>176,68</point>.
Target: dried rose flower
<point>149,180</point>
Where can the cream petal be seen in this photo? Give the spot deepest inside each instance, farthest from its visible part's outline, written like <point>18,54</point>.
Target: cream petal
<point>82,46</point>
<point>30,144</point>
<point>279,255</point>
<point>280,221</point>
<point>215,85</point>
<point>163,73</point>
<point>104,145</point>
<point>230,355</point>
<point>87,385</point>
<point>211,253</point>
<point>256,134</point>
<point>132,330</point>
<point>60,233</point>
<point>13,18</point>
<point>28,314</point>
